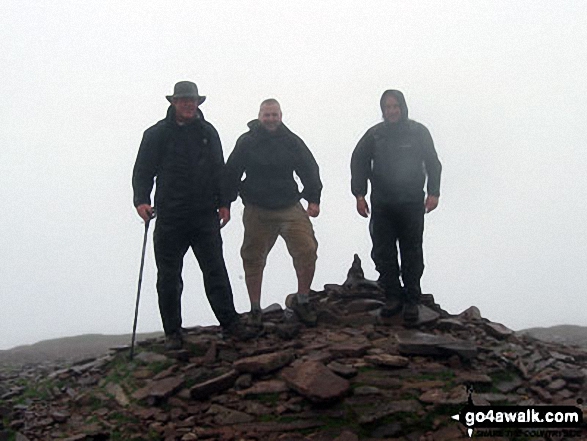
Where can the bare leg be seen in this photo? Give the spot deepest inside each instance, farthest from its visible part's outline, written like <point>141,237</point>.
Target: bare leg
<point>254,283</point>
<point>305,276</point>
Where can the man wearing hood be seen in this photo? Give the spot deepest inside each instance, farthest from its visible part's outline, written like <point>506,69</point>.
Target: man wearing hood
<point>398,157</point>
<point>183,153</point>
<point>269,154</point>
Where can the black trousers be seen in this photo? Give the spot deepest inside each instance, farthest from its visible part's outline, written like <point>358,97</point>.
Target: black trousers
<point>172,238</point>
<point>390,226</point>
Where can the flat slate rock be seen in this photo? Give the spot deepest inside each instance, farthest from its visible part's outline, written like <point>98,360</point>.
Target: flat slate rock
<point>420,343</point>
<point>351,348</point>
<point>151,357</point>
<point>474,378</point>
<point>509,385</point>
<point>362,305</point>
<point>387,360</point>
<point>264,363</point>
<point>450,323</point>
<point>343,370</point>
<point>316,382</point>
<point>214,385</point>
<point>497,330</point>
<point>426,315</point>
<point>160,389</point>
<point>225,416</point>
<point>265,387</point>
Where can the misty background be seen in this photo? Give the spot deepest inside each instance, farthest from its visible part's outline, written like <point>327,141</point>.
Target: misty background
<point>499,84</point>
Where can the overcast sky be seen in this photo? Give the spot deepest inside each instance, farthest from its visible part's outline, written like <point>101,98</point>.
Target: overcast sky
<point>499,84</point>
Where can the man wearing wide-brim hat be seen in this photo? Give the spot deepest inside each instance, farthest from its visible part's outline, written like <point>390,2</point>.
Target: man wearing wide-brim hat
<point>183,155</point>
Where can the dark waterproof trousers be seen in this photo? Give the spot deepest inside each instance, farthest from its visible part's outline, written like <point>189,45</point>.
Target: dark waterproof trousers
<point>172,238</point>
<point>390,226</point>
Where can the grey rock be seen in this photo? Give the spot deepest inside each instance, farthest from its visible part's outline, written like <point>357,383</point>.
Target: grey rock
<point>561,357</point>
<point>265,387</point>
<point>450,324</point>
<point>509,386</point>
<point>573,375</point>
<point>543,394</point>
<point>166,387</point>
<point>255,408</point>
<point>366,390</point>
<point>343,370</point>
<point>225,416</point>
<point>497,330</point>
<point>426,315</point>
<point>493,397</point>
<point>433,396</point>
<point>350,349</point>
<point>556,385</point>
<point>151,357</point>
<point>387,360</point>
<point>243,382</point>
<point>334,289</point>
<point>419,343</point>
<point>470,314</point>
<point>544,364</point>
<point>60,416</point>
<point>362,305</point>
<point>274,307</point>
<point>473,378</point>
<point>355,273</point>
<point>118,393</point>
<point>321,356</point>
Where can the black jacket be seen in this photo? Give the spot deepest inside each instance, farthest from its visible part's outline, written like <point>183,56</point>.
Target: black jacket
<point>269,160</point>
<point>187,163</point>
<point>396,158</point>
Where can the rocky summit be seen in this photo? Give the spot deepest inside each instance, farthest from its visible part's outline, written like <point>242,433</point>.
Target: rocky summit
<point>354,376</point>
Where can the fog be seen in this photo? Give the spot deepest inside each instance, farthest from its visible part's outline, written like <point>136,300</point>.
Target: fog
<point>499,84</point>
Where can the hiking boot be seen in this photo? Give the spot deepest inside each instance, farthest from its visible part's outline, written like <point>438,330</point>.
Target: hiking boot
<point>410,312</point>
<point>392,306</point>
<point>256,318</point>
<point>240,331</point>
<point>304,312</point>
<point>173,341</point>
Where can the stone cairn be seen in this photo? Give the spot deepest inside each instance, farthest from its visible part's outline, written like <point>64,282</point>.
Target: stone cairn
<point>354,376</point>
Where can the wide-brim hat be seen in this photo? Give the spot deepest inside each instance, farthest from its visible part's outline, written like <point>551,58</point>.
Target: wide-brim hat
<point>186,89</point>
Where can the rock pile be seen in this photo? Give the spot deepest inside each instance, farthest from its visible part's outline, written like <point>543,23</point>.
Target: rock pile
<point>354,376</point>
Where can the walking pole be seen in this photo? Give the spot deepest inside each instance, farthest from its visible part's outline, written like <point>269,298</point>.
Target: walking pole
<point>134,326</point>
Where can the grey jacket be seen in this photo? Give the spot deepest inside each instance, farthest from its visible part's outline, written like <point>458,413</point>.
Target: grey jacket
<point>397,158</point>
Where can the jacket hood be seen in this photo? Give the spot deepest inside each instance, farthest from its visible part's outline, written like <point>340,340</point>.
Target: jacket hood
<point>170,116</point>
<point>400,99</point>
<point>255,126</point>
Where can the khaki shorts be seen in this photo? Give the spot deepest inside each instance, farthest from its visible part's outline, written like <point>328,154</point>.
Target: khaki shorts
<point>262,227</point>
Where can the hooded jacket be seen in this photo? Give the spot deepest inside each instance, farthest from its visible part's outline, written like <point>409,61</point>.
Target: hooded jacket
<point>397,158</point>
<point>186,163</point>
<point>269,160</point>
